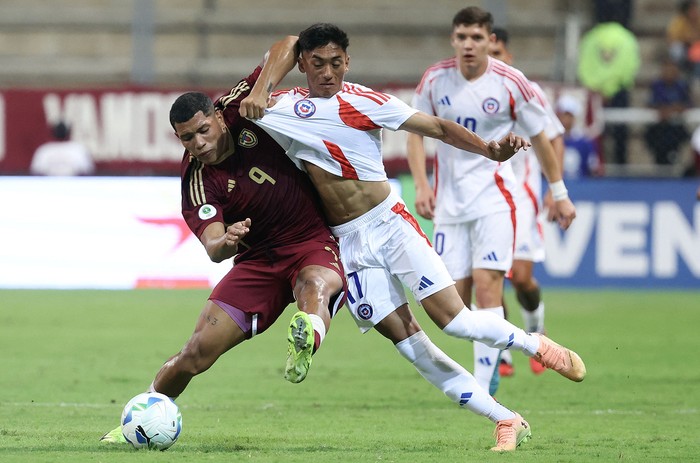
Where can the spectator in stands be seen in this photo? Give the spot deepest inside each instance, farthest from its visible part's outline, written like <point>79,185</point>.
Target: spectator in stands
<point>608,64</point>
<point>694,167</point>
<point>581,157</point>
<point>619,11</point>
<point>670,96</point>
<point>683,36</point>
<point>62,156</point>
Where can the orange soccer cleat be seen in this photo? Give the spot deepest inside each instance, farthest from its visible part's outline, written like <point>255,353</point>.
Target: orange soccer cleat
<point>511,433</point>
<point>560,359</point>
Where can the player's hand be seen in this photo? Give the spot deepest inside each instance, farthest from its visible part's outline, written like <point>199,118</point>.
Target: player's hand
<point>506,147</point>
<point>236,231</point>
<point>563,212</point>
<point>425,203</point>
<point>253,106</point>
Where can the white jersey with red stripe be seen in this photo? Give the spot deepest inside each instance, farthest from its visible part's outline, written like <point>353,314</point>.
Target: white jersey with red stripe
<point>526,167</point>
<point>340,134</point>
<point>468,185</point>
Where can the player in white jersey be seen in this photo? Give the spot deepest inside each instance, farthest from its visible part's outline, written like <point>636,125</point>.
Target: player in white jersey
<point>333,131</point>
<point>472,202</point>
<point>529,242</point>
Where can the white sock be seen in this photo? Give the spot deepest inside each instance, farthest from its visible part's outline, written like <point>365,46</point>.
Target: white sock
<point>492,330</point>
<point>534,321</point>
<point>448,376</point>
<point>319,327</point>
<point>486,358</point>
<point>152,388</point>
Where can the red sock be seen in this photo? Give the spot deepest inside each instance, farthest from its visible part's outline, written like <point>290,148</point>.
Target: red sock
<point>317,341</point>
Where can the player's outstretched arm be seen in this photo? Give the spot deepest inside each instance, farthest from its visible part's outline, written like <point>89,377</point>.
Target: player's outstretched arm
<point>278,62</point>
<point>458,136</point>
<point>222,242</point>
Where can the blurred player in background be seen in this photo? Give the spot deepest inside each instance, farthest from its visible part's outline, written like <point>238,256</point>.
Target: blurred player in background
<point>245,199</point>
<point>473,203</point>
<point>529,239</point>
<point>333,131</point>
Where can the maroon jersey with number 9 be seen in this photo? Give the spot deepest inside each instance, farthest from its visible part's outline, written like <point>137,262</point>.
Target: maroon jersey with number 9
<point>258,181</point>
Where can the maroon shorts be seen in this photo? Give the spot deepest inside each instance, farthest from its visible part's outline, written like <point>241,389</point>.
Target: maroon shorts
<point>264,287</point>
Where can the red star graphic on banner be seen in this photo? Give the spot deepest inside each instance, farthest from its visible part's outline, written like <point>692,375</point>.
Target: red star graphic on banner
<point>171,222</point>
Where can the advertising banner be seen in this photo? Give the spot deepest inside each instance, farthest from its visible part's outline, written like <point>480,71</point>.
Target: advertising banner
<point>127,130</point>
<point>627,233</point>
<point>127,232</point>
<point>99,232</point>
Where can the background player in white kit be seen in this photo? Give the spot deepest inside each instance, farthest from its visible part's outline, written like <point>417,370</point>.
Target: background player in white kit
<point>529,239</point>
<point>472,204</point>
<point>333,131</point>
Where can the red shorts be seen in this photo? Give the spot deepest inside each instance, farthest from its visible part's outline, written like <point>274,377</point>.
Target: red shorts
<point>264,286</point>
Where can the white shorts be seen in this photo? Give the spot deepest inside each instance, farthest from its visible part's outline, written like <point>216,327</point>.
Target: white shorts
<point>529,239</point>
<point>486,242</point>
<point>385,251</point>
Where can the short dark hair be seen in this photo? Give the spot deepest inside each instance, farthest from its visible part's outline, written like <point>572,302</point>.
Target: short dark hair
<point>473,15</point>
<point>321,34</point>
<point>501,35</point>
<point>187,105</point>
<point>60,131</point>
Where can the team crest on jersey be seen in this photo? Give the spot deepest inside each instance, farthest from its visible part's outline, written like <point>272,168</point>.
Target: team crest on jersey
<point>304,108</point>
<point>207,212</point>
<point>490,106</point>
<point>365,311</point>
<point>247,139</point>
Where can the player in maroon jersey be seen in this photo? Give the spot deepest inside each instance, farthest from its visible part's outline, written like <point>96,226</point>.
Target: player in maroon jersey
<point>243,198</point>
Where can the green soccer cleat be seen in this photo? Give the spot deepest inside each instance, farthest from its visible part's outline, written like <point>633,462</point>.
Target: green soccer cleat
<point>115,436</point>
<point>301,345</point>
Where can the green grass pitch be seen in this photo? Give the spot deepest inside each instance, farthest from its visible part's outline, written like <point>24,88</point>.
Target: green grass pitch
<point>69,361</point>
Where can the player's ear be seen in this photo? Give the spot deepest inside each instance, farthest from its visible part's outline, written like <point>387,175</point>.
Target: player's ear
<point>347,63</point>
<point>300,64</point>
<point>220,119</point>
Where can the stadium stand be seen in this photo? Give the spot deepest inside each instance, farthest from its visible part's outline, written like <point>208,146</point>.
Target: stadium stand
<point>74,43</point>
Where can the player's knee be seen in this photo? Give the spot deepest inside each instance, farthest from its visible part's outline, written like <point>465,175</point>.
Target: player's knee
<point>519,282</point>
<point>317,287</point>
<point>521,279</point>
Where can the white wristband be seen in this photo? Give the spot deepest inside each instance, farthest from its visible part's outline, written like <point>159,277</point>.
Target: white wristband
<point>558,190</point>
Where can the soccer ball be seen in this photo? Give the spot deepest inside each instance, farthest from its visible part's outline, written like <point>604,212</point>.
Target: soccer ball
<point>151,420</point>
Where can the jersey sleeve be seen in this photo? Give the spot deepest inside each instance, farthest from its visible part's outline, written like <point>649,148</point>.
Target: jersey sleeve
<point>230,102</point>
<point>553,127</point>
<point>528,109</point>
<point>392,114</point>
<point>422,96</point>
<point>200,201</point>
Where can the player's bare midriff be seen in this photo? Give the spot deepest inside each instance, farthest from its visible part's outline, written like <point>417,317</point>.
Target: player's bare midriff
<point>346,199</point>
